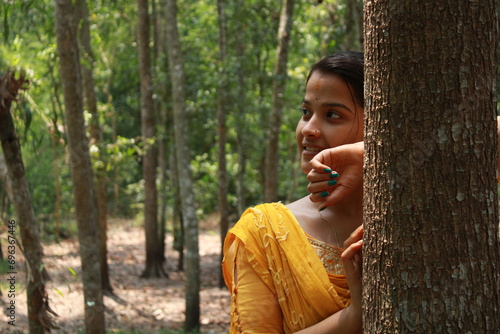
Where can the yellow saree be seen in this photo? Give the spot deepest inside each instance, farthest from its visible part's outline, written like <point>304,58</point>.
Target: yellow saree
<point>281,285</point>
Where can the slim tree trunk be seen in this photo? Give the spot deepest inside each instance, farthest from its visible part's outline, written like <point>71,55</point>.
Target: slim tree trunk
<point>56,137</point>
<point>81,171</point>
<point>431,247</point>
<point>177,226</point>
<point>279,86</point>
<point>353,25</point>
<point>154,260</point>
<point>162,116</point>
<point>39,311</point>
<point>95,137</point>
<point>183,160</point>
<point>57,204</point>
<point>222,110</point>
<point>241,111</point>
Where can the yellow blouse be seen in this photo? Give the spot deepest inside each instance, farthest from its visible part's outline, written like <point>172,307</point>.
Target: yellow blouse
<point>278,283</point>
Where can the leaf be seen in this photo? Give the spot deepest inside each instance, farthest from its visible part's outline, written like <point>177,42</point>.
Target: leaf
<point>59,292</point>
<point>72,271</point>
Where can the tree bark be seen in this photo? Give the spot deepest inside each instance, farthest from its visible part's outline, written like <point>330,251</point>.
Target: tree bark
<point>81,170</point>
<point>222,110</point>
<point>95,137</point>
<point>241,107</point>
<point>154,258</point>
<point>39,311</point>
<point>353,25</point>
<point>431,246</point>
<point>190,220</point>
<point>279,86</point>
<point>161,109</point>
<point>177,226</point>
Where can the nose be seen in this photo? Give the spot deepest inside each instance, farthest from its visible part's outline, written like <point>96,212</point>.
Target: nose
<point>312,128</point>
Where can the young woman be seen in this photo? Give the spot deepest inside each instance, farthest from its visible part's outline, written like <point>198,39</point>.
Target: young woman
<point>284,265</point>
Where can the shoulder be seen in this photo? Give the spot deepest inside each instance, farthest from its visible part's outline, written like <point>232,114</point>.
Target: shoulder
<point>303,209</point>
<point>268,218</point>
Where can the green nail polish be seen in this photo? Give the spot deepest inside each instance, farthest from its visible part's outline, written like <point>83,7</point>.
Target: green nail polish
<point>323,208</point>
<point>327,170</point>
<point>332,182</point>
<point>334,175</point>
<point>324,194</point>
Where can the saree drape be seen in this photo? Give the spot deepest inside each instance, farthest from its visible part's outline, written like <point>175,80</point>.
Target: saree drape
<point>290,288</point>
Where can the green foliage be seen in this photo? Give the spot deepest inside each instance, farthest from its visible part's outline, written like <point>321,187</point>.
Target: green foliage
<point>252,26</point>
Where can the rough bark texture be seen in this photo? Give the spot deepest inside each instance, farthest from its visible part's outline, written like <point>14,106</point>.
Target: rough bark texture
<point>222,110</point>
<point>183,161</point>
<point>154,258</point>
<point>39,312</point>
<point>95,136</point>
<point>431,248</point>
<point>81,170</point>
<point>279,86</point>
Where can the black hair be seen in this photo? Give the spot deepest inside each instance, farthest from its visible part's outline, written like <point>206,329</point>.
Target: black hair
<point>349,65</point>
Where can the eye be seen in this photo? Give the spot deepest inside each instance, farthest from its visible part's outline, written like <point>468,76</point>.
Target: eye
<point>305,113</point>
<point>332,115</point>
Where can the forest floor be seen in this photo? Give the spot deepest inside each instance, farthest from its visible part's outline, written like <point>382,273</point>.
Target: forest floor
<point>139,305</point>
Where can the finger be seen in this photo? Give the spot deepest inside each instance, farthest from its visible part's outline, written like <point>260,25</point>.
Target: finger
<point>349,253</point>
<point>319,187</point>
<point>327,174</point>
<point>340,192</point>
<point>318,163</point>
<point>319,197</point>
<point>355,236</point>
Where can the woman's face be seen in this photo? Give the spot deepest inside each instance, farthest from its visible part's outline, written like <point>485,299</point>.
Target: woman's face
<point>330,117</point>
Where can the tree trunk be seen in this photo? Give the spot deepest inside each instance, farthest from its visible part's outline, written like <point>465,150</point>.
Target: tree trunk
<point>183,160</point>
<point>240,117</point>
<point>162,116</point>
<point>177,226</point>
<point>222,110</point>
<point>39,311</point>
<point>154,258</point>
<point>279,86</point>
<point>431,247</point>
<point>81,171</point>
<point>353,25</point>
<point>56,138</point>
<point>95,137</point>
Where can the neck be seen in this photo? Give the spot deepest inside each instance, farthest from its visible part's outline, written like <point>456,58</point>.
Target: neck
<point>351,206</point>
<point>346,215</point>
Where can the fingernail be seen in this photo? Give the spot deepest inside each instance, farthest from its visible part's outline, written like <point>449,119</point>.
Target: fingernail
<point>334,175</point>
<point>324,194</point>
<point>327,170</point>
<point>332,182</point>
<point>323,208</point>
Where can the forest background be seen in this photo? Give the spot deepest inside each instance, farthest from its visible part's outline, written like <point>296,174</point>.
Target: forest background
<point>248,67</point>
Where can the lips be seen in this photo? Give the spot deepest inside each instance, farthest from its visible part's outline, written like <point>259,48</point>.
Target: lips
<point>310,151</point>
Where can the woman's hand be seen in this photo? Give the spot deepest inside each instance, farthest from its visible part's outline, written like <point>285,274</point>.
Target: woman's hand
<point>353,263</point>
<point>347,161</point>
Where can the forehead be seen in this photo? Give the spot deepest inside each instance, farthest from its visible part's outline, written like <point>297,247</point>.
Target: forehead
<point>327,86</point>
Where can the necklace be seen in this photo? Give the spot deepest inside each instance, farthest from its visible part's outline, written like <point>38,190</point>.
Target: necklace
<point>333,229</point>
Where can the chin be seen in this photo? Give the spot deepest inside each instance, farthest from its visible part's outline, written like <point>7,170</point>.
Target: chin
<point>306,167</point>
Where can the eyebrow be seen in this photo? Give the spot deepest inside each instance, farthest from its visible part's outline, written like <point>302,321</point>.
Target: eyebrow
<point>331,105</point>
